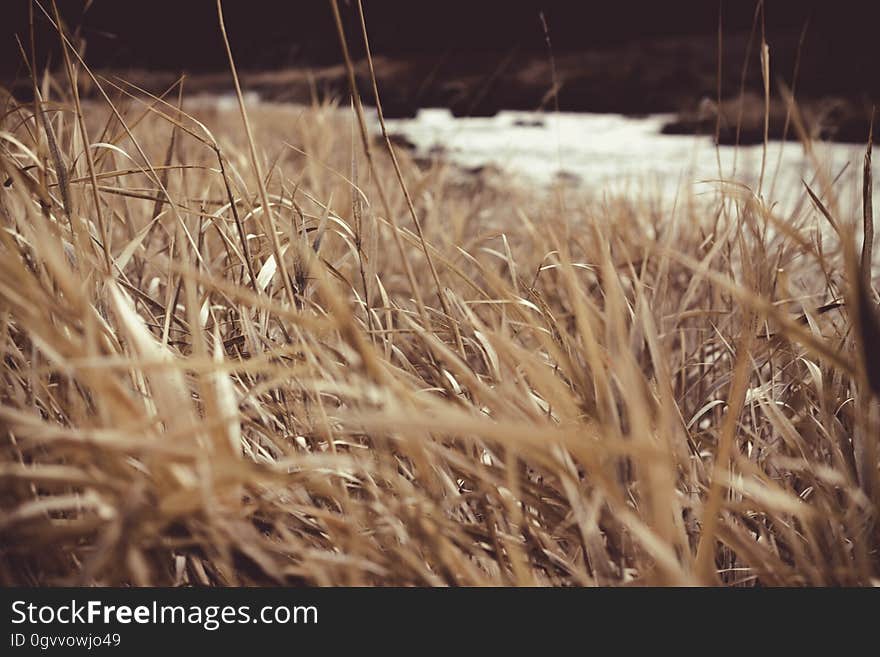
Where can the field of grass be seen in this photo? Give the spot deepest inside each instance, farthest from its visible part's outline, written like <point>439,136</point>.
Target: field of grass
<point>252,347</point>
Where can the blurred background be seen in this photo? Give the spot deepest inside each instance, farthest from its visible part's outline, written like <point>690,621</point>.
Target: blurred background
<point>476,57</point>
<point>479,82</point>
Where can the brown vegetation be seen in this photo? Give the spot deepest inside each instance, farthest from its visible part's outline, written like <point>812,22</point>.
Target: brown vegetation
<point>262,356</point>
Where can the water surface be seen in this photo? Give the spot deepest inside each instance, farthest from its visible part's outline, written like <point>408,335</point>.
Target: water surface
<point>613,153</point>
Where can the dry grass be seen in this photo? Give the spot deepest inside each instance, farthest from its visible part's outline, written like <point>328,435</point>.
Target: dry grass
<point>597,392</point>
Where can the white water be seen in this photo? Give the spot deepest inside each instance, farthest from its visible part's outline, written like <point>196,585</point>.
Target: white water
<point>613,153</point>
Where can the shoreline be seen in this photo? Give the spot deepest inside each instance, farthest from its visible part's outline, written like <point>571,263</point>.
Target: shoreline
<point>670,75</point>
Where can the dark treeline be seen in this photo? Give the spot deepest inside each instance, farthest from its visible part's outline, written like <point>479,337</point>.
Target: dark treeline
<point>618,55</point>
<point>268,33</point>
